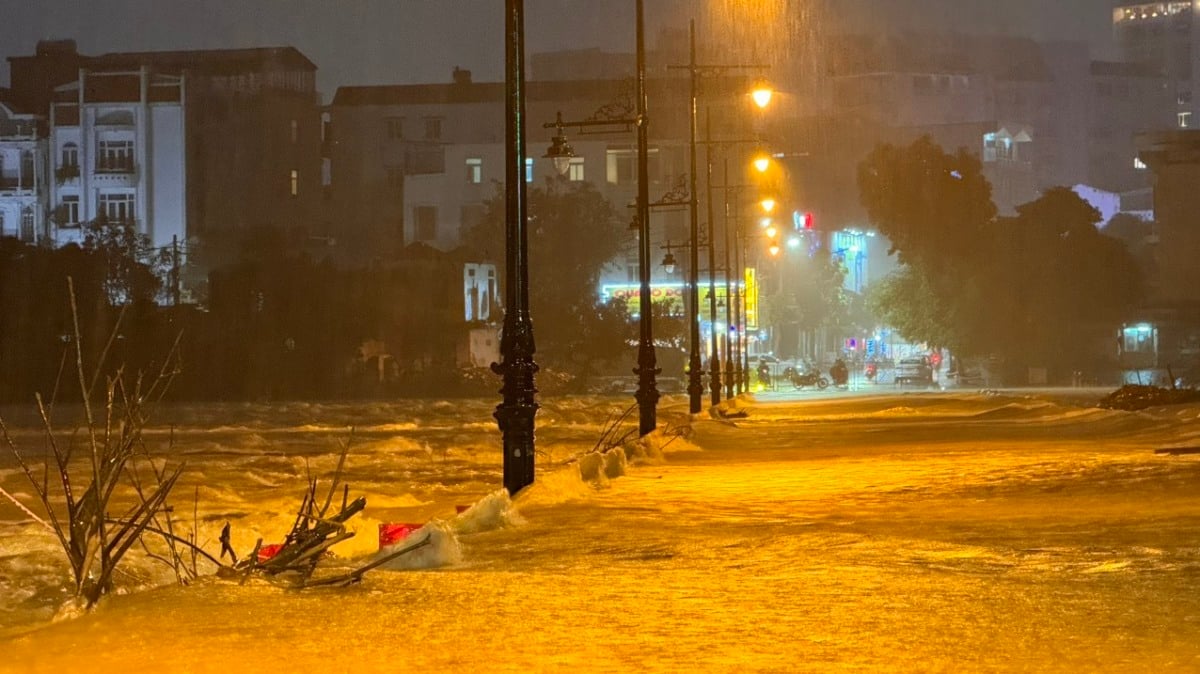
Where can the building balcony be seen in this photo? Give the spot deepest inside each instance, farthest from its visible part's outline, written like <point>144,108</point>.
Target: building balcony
<point>64,173</point>
<point>115,168</point>
<point>121,176</point>
<point>14,187</point>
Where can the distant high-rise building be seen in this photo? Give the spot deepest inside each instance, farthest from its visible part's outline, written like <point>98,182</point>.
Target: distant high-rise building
<point>1163,35</point>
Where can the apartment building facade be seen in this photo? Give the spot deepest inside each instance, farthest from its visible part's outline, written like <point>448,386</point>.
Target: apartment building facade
<point>24,193</point>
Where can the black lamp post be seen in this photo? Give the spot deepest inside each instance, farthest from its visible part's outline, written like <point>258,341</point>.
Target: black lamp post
<point>516,412</point>
<point>560,152</point>
<point>695,374</point>
<point>695,382</point>
<point>714,360</point>
<point>647,369</point>
<point>730,326</point>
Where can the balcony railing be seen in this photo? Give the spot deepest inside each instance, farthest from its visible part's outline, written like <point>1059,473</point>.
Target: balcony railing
<point>14,185</point>
<point>115,167</point>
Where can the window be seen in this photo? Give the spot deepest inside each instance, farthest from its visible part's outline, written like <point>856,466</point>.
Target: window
<point>575,169</point>
<point>395,128</point>
<point>295,182</point>
<point>69,211</point>
<point>433,128</point>
<point>622,166</point>
<point>475,170</point>
<point>115,156</point>
<point>295,132</point>
<point>117,207</point>
<point>425,223</point>
<point>529,169</point>
<point>1138,339</point>
<point>1139,164</point>
<point>1185,120</point>
<point>70,156</point>
<point>1183,98</point>
<point>27,224</point>
<point>989,147</point>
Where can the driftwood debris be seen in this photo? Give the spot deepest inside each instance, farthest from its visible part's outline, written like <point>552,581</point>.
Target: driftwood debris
<point>313,533</point>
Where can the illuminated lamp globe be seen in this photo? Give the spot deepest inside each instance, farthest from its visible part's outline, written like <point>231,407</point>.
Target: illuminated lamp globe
<point>668,263</point>
<point>762,94</point>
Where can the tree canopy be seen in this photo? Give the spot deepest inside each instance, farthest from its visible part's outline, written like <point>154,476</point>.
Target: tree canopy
<point>574,233</point>
<point>1030,288</point>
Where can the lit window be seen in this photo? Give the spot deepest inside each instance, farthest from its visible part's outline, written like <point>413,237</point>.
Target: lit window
<point>529,169</point>
<point>989,147</point>
<point>1139,164</point>
<point>575,169</point>
<point>1185,120</point>
<point>295,180</point>
<point>475,170</point>
<point>621,169</point>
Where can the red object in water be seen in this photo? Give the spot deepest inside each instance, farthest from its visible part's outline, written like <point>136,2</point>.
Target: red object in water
<point>268,551</point>
<point>460,509</point>
<point>391,533</point>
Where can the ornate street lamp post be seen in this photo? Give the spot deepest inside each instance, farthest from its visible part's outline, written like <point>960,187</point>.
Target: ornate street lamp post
<point>561,152</point>
<point>695,382</point>
<point>647,369</point>
<point>515,414</point>
<point>762,96</point>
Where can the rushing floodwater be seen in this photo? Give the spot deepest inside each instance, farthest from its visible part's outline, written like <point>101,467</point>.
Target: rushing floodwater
<point>918,532</point>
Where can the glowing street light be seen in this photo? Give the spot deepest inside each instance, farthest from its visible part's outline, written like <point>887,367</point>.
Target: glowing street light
<point>761,163</point>
<point>761,94</point>
<point>768,205</point>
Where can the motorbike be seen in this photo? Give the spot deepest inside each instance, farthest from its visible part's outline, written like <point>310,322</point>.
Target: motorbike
<point>802,379</point>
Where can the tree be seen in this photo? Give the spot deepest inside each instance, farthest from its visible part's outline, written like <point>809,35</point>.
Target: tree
<point>1031,288</point>
<point>573,232</point>
<point>937,211</point>
<point>134,268</point>
<point>1056,276</point>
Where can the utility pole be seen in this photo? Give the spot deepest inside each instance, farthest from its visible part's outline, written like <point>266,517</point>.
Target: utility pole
<point>175,289</point>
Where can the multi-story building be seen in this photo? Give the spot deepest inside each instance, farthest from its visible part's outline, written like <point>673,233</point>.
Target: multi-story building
<point>192,146</point>
<point>1163,36</point>
<point>118,153</point>
<point>418,163</point>
<point>24,192</point>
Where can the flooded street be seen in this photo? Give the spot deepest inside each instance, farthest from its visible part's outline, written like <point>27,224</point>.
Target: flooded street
<point>919,532</point>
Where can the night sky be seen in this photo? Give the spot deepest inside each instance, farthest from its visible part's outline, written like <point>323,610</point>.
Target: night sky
<point>408,41</point>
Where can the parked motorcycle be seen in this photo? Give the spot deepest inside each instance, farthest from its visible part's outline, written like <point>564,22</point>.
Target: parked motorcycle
<point>811,378</point>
